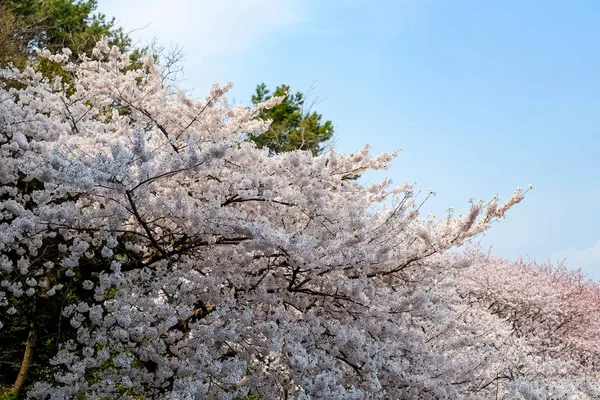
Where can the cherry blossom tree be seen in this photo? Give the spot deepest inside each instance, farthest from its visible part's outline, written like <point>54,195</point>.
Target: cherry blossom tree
<point>555,309</point>
<point>206,268</point>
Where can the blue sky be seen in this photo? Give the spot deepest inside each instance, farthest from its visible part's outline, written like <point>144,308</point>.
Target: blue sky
<point>483,96</point>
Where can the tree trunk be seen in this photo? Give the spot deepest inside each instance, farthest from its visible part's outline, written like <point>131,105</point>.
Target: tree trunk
<point>26,363</point>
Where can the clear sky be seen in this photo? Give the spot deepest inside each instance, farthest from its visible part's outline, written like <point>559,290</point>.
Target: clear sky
<point>483,96</point>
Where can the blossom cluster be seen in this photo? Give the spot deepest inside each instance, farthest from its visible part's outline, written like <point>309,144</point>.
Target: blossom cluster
<point>218,271</point>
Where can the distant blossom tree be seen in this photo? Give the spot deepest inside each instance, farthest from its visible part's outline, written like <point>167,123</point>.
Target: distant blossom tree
<point>555,308</point>
<point>189,263</point>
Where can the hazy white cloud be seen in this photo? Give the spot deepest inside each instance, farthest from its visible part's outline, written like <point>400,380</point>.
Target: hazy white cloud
<point>588,259</point>
<point>205,27</point>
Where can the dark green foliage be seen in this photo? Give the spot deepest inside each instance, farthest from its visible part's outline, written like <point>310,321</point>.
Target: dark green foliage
<point>56,24</point>
<point>13,41</point>
<point>293,127</point>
